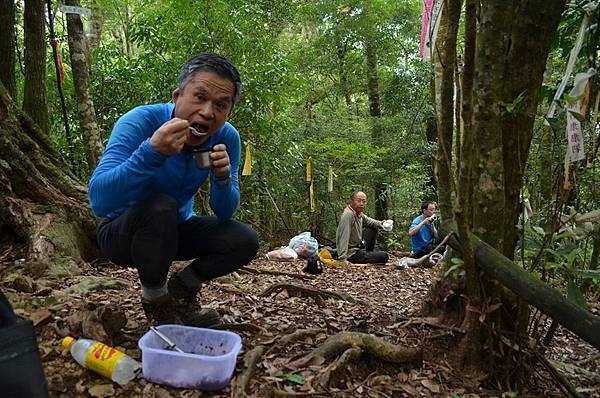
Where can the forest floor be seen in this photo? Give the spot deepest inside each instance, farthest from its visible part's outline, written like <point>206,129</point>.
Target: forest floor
<point>384,301</point>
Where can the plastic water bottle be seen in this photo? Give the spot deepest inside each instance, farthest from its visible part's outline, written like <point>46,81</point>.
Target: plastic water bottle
<point>102,359</point>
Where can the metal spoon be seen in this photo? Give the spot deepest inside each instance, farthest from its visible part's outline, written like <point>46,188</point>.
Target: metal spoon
<point>196,132</point>
<point>170,344</point>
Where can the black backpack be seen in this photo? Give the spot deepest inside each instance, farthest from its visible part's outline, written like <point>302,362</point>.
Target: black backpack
<point>313,265</point>
<point>21,372</point>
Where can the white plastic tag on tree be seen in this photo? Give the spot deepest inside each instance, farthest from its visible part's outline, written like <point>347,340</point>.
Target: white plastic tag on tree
<point>75,10</point>
<point>574,132</point>
<point>570,64</point>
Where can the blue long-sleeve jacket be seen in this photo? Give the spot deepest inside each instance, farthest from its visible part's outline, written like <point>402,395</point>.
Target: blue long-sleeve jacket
<point>131,171</point>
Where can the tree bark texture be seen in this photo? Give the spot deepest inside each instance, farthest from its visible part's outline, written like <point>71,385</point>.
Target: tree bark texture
<point>43,207</point>
<point>35,102</point>
<point>96,23</point>
<point>488,184</point>
<point>470,345</point>
<point>8,46</point>
<point>81,81</point>
<point>445,58</point>
<point>532,31</point>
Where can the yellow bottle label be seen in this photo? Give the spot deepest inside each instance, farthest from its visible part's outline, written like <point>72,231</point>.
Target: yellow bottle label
<point>102,359</point>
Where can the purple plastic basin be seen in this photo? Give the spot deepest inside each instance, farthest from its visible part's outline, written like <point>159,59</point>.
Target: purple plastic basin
<point>207,364</point>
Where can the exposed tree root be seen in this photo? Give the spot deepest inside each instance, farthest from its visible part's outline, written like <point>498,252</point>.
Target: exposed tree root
<point>250,270</point>
<point>341,365</point>
<point>302,291</point>
<point>251,358</point>
<point>373,345</point>
<point>298,335</point>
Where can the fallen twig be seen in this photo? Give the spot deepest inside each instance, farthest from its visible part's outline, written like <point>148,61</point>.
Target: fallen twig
<point>562,382</point>
<point>250,360</point>
<point>250,270</point>
<point>317,294</point>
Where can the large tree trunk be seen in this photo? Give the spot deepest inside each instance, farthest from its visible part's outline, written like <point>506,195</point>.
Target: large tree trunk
<point>535,23</point>
<point>35,102</point>
<point>81,80</point>
<point>470,345</point>
<point>8,46</point>
<point>511,52</point>
<point>44,214</point>
<point>445,58</point>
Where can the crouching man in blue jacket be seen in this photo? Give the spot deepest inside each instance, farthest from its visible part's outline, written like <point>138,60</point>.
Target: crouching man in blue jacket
<point>156,159</point>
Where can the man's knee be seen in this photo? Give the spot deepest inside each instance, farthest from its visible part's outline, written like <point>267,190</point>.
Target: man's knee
<point>248,244</point>
<point>159,209</point>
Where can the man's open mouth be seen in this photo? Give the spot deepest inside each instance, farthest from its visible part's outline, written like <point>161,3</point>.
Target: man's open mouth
<point>198,130</point>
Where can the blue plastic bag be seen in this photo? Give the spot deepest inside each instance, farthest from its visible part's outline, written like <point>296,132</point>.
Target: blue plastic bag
<point>304,244</point>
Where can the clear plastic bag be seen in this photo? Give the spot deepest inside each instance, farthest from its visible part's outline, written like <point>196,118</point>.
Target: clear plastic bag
<point>284,253</point>
<point>304,244</point>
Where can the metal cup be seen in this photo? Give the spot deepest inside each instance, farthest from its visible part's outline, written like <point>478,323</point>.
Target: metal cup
<point>203,160</point>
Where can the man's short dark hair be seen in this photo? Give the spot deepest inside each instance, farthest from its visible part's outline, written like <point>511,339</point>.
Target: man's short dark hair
<point>354,193</point>
<point>211,63</point>
<point>426,204</point>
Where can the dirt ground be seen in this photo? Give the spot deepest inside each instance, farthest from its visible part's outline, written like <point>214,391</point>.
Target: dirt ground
<point>384,301</point>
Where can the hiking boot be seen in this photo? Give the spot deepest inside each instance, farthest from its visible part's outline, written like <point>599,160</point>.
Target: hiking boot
<point>188,306</point>
<point>160,311</point>
<point>166,310</point>
<point>180,291</point>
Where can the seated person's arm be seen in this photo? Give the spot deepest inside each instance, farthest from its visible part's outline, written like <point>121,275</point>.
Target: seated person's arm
<point>342,236</point>
<point>416,227</point>
<point>127,165</point>
<point>371,222</point>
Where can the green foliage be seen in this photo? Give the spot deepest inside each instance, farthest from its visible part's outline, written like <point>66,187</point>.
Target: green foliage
<point>292,56</point>
<point>561,260</point>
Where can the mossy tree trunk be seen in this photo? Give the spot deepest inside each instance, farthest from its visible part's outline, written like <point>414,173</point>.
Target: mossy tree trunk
<point>35,101</point>
<point>44,215</point>
<point>8,46</point>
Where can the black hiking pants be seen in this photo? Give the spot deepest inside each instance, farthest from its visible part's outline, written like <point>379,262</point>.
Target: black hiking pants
<point>368,255</point>
<point>149,237</point>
